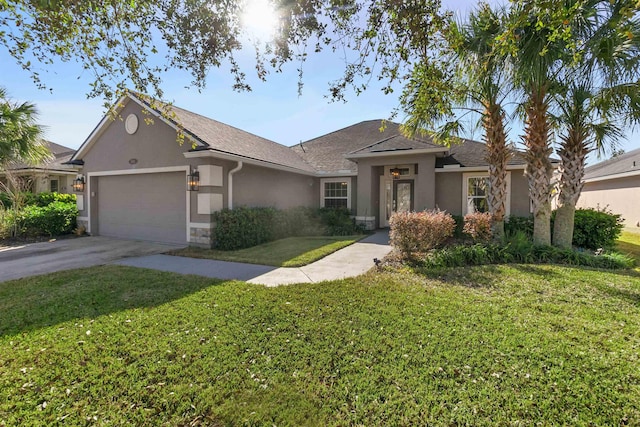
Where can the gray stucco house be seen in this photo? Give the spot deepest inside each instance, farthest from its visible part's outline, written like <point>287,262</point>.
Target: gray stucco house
<point>136,174</point>
<point>614,184</point>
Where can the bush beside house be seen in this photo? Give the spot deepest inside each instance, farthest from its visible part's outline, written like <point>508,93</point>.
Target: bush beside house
<point>44,214</point>
<point>246,227</point>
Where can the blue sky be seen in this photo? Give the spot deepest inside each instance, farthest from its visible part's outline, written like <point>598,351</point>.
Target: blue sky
<point>272,110</point>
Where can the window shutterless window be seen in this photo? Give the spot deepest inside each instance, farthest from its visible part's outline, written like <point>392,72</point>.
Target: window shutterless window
<point>475,192</point>
<point>335,193</point>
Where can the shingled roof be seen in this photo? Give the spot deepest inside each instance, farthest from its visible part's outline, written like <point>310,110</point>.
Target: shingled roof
<point>59,156</point>
<point>621,164</point>
<point>471,153</point>
<point>214,135</point>
<point>327,153</point>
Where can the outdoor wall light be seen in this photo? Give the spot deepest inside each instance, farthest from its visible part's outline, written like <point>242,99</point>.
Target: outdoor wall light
<point>193,181</point>
<point>395,173</point>
<point>78,184</point>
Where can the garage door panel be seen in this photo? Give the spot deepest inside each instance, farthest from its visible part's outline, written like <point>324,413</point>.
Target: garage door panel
<point>144,207</point>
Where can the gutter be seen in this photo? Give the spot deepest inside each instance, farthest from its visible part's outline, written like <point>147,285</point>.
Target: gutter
<point>230,183</point>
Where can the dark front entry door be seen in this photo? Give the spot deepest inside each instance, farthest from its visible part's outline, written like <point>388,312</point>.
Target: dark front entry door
<point>403,195</point>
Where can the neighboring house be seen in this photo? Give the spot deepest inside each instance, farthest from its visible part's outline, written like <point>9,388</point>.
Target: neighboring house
<point>136,174</point>
<point>53,175</point>
<point>614,184</point>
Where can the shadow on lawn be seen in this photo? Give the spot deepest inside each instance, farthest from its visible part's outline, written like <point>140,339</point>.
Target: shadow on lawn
<point>630,249</point>
<point>485,276</point>
<point>36,302</point>
<point>623,294</point>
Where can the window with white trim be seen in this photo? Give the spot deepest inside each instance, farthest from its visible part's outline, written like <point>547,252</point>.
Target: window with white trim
<point>335,193</point>
<point>53,186</point>
<point>475,192</point>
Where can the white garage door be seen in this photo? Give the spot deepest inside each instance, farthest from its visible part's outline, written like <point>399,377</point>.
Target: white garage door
<point>148,206</point>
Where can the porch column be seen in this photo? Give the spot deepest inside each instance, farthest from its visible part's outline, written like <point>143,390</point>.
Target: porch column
<point>364,207</point>
<point>425,185</point>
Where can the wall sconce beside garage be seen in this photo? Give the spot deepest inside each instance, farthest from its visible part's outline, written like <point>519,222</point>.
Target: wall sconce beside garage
<point>78,184</point>
<point>193,181</point>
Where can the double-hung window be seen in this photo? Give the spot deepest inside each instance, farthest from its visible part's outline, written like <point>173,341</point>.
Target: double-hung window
<point>475,193</point>
<point>335,193</point>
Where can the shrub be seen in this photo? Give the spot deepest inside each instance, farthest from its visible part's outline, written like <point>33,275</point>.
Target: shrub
<point>5,201</point>
<point>243,227</point>
<point>6,223</point>
<point>594,229</point>
<point>519,245</point>
<point>27,198</point>
<point>417,232</point>
<point>45,199</point>
<point>54,219</point>
<point>338,222</point>
<point>478,226</point>
<point>479,254</point>
<point>515,224</point>
<point>458,233</point>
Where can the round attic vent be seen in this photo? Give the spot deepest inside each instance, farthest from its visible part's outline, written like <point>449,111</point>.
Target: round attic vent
<point>131,124</point>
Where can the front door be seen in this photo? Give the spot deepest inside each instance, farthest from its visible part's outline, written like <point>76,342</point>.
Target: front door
<point>403,195</point>
<point>395,196</point>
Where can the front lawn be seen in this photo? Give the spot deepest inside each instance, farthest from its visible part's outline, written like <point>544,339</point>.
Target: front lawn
<point>493,345</point>
<point>289,252</point>
<point>629,243</point>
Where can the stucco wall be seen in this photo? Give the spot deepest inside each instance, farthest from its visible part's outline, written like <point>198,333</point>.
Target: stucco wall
<point>152,146</point>
<point>520,205</point>
<point>449,192</point>
<point>258,186</point>
<point>621,196</point>
<point>368,185</point>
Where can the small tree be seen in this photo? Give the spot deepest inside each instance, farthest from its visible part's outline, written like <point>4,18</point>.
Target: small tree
<point>20,143</point>
<point>16,188</point>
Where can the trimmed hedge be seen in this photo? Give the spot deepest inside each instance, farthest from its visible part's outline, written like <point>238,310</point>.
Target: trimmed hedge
<point>243,227</point>
<point>246,227</point>
<point>45,199</point>
<point>418,232</point>
<point>40,199</point>
<point>54,219</point>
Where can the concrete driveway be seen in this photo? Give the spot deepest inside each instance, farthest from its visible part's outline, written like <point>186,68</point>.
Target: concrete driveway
<point>47,257</point>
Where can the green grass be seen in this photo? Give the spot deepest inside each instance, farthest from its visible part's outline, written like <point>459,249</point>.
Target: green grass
<point>289,252</point>
<point>492,345</point>
<point>629,243</point>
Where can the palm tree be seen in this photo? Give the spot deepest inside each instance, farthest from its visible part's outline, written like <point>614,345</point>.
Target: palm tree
<point>538,51</point>
<point>20,135</point>
<point>478,85</point>
<point>601,93</point>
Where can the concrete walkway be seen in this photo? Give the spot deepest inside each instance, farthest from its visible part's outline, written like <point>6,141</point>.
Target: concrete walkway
<point>351,261</point>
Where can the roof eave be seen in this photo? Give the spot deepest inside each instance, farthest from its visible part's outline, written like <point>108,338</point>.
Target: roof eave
<point>211,152</point>
<point>474,168</point>
<point>395,153</point>
<point>613,176</point>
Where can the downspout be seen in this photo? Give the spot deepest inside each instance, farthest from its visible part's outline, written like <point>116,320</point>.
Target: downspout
<point>230,184</point>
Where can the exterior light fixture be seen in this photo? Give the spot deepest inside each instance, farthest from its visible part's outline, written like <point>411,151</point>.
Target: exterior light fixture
<point>395,173</point>
<point>193,181</point>
<point>78,184</point>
